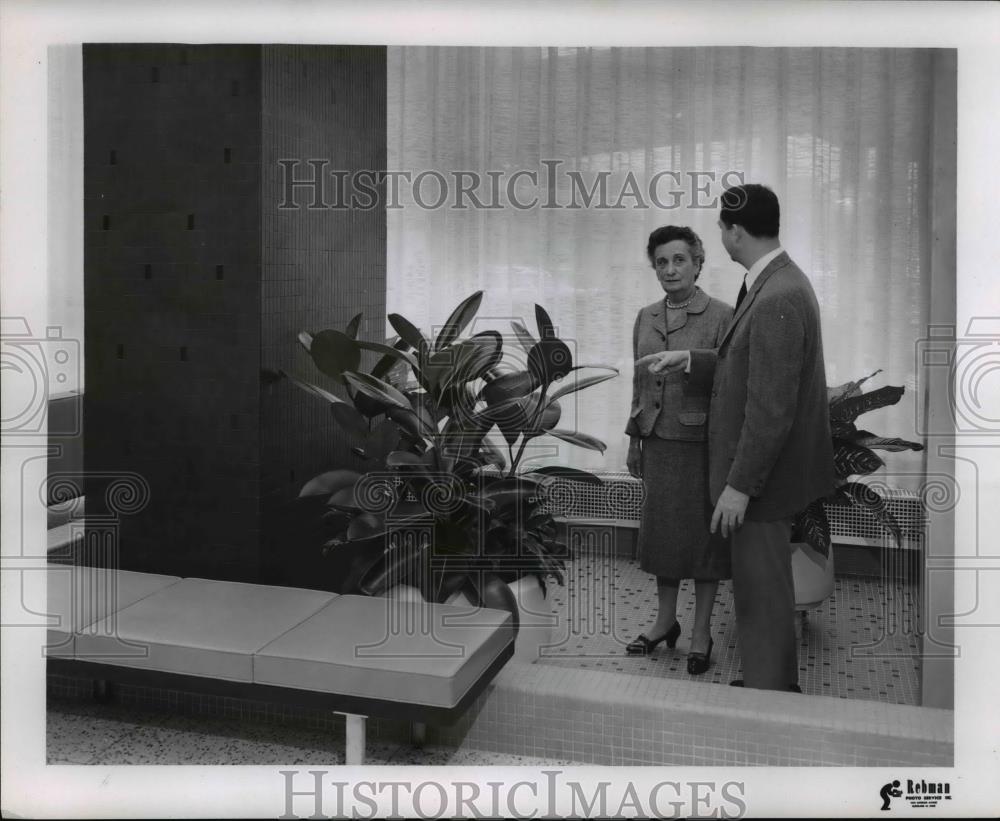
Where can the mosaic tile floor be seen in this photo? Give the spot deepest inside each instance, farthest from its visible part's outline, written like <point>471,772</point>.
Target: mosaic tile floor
<point>112,734</point>
<point>859,644</point>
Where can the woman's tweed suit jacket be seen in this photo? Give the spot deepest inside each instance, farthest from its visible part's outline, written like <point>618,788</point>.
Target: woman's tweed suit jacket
<point>667,405</point>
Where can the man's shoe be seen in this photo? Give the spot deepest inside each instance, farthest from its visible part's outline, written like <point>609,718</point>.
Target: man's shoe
<point>643,646</point>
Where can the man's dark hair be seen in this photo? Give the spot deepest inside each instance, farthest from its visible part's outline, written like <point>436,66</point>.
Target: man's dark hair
<point>753,206</point>
<point>668,233</point>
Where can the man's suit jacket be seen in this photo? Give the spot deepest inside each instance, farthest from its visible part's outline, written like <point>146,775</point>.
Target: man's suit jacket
<point>665,405</point>
<point>769,423</point>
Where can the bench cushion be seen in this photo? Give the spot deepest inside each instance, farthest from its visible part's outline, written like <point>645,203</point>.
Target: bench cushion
<point>79,596</point>
<point>409,651</point>
<point>201,627</point>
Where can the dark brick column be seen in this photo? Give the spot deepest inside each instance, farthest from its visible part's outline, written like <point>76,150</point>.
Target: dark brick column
<point>195,280</point>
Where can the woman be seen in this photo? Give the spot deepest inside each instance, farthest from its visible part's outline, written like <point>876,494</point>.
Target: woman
<point>668,447</point>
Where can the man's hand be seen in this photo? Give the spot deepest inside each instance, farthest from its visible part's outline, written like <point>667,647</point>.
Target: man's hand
<point>665,361</point>
<point>634,461</point>
<point>729,511</point>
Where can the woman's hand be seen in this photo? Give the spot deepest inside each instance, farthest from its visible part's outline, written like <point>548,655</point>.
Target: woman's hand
<point>634,461</point>
<point>665,361</point>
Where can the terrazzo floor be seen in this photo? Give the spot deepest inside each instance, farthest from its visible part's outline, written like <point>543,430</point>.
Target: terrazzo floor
<point>79,732</point>
<point>860,644</point>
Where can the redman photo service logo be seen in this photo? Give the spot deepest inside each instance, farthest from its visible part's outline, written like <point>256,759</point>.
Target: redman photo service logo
<point>918,793</point>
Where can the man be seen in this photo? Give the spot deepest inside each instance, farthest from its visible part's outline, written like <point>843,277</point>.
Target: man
<point>770,452</point>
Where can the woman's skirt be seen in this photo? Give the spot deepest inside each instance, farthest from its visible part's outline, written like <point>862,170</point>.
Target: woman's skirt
<point>674,540</point>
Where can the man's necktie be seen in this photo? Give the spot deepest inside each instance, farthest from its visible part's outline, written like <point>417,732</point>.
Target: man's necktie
<point>743,293</point>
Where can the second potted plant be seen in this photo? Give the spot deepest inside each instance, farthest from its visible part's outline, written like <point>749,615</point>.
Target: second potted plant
<point>853,455</point>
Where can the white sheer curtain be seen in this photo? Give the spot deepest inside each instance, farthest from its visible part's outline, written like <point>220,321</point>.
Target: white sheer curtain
<point>842,135</point>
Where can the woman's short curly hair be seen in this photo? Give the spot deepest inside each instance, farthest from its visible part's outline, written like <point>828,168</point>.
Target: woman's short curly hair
<point>668,233</point>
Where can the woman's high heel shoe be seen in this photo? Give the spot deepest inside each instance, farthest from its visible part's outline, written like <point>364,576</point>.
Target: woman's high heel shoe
<point>698,662</point>
<point>643,646</point>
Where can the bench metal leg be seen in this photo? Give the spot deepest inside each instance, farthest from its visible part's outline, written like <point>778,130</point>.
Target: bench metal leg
<point>103,691</point>
<point>418,733</point>
<point>355,735</point>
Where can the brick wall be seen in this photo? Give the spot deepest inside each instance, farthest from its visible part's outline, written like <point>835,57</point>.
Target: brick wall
<point>320,267</point>
<point>194,281</point>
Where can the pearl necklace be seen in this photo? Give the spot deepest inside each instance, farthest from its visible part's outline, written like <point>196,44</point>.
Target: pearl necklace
<point>683,304</point>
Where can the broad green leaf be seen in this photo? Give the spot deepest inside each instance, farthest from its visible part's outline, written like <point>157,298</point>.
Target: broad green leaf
<point>509,386</point>
<point>386,363</point>
<point>392,353</point>
<point>580,384</point>
<point>377,389</point>
<point>330,482</point>
<point>871,502</point>
<point>546,330</point>
<point>524,337</point>
<point>349,419</point>
<point>401,564</point>
<point>408,421</point>
<point>848,389</point>
<point>344,499</point>
<point>419,404</point>
<point>334,353</point>
<point>368,406</point>
<point>405,458</point>
<point>461,437</point>
<point>458,320</point>
<point>870,440</point>
<point>507,483</point>
<point>382,441</point>
<point>493,455</point>
<point>847,410</point>
<point>584,440</point>
<point>843,430</point>
<point>538,423</point>
<point>549,360</point>
<point>511,418</point>
<point>575,474</point>
<point>814,529</point>
<point>408,332</point>
<point>315,390</point>
<point>474,358</point>
<point>436,369</point>
<point>853,460</point>
<point>364,526</point>
<point>352,327</point>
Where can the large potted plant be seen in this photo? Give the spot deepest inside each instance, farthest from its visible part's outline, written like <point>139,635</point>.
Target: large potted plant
<point>448,513</point>
<point>853,456</point>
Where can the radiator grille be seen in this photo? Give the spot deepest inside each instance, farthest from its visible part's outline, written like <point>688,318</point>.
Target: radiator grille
<point>619,499</point>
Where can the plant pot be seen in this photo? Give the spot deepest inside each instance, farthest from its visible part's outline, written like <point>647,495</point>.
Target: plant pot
<point>813,576</point>
<point>537,624</point>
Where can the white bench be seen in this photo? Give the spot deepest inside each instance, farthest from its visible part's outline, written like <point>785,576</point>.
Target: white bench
<point>355,655</point>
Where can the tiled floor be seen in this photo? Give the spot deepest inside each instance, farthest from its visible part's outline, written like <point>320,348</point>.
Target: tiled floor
<point>860,644</point>
<point>87,733</point>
